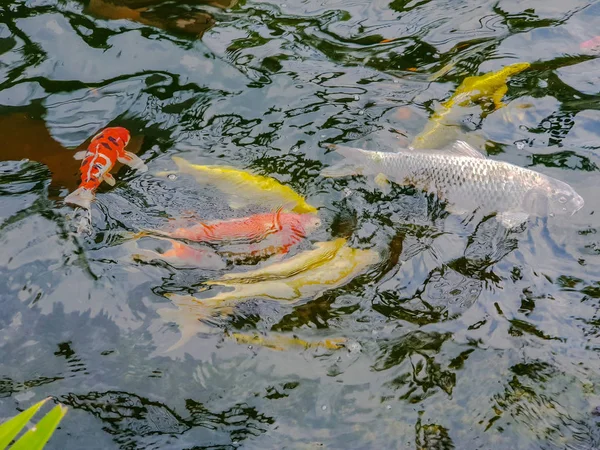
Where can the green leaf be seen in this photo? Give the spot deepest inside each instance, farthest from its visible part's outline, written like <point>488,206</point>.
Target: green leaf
<point>9,429</point>
<point>37,436</point>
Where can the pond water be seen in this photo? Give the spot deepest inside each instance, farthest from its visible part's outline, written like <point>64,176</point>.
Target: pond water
<point>464,335</point>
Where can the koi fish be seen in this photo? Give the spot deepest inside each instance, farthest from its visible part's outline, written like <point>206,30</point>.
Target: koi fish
<point>465,179</point>
<point>250,238</point>
<point>309,259</point>
<point>304,282</point>
<point>106,148</point>
<point>184,256</point>
<point>342,268</point>
<point>281,342</point>
<point>190,317</point>
<point>242,185</point>
<point>490,86</point>
<point>252,229</point>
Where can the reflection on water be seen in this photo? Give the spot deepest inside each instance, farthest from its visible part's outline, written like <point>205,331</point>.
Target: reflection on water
<point>27,138</point>
<point>182,17</point>
<point>462,335</point>
<point>135,421</point>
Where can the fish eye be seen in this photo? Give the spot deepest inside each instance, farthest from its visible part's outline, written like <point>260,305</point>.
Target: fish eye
<point>562,199</point>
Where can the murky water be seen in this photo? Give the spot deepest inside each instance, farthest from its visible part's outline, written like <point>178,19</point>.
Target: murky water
<point>464,335</point>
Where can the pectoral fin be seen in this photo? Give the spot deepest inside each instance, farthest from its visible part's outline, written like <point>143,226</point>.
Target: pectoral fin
<point>497,97</point>
<point>340,170</point>
<point>512,219</point>
<point>109,179</point>
<point>352,164</point>
<point>133,161</point>
<point>383,183</point>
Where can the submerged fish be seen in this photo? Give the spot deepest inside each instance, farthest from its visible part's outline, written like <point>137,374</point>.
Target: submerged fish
<point>591,44</point>
<point>305,282</point>
<point>255,189</point>
<point>105,149</point>
<point>253,228</point>
<point>301,262</point>
<point>181,255</point>
<point>490,86</point>
<point>190,316</point>
<point>248,238</point>
<point>340,269</point>
<point>466,180</point>
<point>282,342</point>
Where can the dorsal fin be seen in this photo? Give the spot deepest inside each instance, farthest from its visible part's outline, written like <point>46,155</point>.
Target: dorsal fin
<point>458,148</point>
<point>461,148</point>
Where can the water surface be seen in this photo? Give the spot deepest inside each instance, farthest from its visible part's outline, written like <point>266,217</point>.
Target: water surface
<point>465,336</point>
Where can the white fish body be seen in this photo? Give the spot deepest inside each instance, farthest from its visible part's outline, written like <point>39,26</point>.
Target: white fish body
<point>466,180</point>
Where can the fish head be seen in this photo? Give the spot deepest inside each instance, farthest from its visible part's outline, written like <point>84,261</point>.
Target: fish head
<point>562,199</point>
<point>310,222</point>
<point>516,68</point>
<point>116,133</point>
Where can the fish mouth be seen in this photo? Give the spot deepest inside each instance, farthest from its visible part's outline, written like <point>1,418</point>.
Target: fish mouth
<point>578,205</point>
<point>314,224</point>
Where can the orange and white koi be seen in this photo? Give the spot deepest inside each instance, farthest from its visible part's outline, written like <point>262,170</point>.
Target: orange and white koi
<point>105,149</point>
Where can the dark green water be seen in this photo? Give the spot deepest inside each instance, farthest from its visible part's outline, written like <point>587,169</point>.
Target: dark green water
<point>463,337</point>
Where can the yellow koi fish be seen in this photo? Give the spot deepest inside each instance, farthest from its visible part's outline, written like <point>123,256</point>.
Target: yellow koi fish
<point>246,186</point>
<point>345,265</point>
<point>490,86</point>
<point>281,342</point>
<point>324,251</point>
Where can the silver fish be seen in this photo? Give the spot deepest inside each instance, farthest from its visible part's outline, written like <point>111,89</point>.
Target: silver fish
<point>466,180</point>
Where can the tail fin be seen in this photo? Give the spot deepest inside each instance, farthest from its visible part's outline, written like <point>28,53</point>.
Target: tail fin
<point>81,197</point>
<point>352,164</point>
<point>130,235</point>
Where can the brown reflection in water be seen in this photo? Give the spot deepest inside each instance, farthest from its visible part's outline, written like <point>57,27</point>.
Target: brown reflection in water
<point>27,138</point>
<point>432,437</point>
<point>168,16</point>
